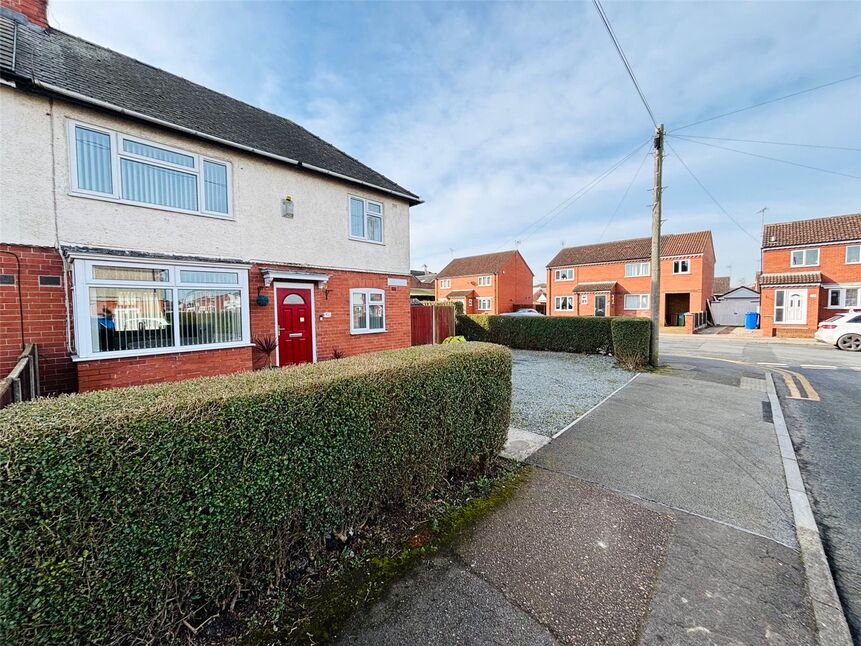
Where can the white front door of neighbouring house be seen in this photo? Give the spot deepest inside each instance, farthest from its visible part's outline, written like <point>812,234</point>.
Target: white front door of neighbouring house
<point>794,304</point>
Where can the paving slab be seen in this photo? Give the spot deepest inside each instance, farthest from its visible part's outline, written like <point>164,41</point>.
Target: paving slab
<point>521,444</point>
<point>723,586</point>
<point>443,603</point>
<point>687,443</point>
<point>580,559</point>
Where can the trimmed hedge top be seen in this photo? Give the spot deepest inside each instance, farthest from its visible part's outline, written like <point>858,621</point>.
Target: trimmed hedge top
<point>124,511</point>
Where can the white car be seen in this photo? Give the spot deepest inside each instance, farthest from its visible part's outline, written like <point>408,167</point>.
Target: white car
<point>843,330</point>
<point>527,311</point>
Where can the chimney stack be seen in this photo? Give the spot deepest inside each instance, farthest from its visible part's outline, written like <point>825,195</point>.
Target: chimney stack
<point>36,11</point>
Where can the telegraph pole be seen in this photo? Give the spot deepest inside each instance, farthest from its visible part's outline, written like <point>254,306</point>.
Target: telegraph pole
<point>655,268</point>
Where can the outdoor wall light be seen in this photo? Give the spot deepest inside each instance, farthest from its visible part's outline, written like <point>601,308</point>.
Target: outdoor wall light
<point>287,207</point>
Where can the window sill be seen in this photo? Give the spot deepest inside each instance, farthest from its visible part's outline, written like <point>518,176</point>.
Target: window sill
<point>130,354</point>
<point>155,207</point>
<point>358,332</point>
<point>376,242</point>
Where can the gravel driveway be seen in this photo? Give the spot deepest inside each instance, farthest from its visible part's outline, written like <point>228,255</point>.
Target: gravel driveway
<point>552,389</point>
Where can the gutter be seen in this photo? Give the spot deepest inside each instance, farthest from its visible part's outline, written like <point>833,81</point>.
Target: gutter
<point>202,135</point>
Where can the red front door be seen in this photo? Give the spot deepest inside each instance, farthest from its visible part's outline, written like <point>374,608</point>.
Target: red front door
<point>295,341</point>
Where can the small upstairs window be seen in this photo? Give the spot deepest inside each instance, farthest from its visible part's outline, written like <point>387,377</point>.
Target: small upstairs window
<point>633,269</point>
<point>564,274</point>
<point>366,220</point>
<point>445,283</point>
<point>805,258</point>
<point>682,266</point>
<point>484,281</point>
<point>853,254</point>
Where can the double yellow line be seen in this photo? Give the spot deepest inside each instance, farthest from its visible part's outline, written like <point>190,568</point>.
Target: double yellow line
<point>789,377</point>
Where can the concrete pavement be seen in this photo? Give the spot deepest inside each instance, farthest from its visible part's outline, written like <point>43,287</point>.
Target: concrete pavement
<point>826,435</point>
<point>661,518</point>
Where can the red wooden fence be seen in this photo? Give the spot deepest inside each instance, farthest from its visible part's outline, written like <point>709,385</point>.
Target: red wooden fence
<point>431,324</point>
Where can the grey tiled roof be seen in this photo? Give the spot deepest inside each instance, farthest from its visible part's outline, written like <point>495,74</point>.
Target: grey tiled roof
<point>57,59</point>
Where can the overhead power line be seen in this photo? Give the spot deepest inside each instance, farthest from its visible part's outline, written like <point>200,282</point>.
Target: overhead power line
<point>711,197</point>
<point>776,159</point>
<point>624,58</point>
<point>762,103</point>
<point>774,143</point>
<point>624,195</point>
<point>574,197</point>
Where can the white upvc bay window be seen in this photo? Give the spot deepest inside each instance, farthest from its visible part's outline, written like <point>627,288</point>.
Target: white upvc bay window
<point>367,311</point>
<point>130,308</point>
<point>110,165</point>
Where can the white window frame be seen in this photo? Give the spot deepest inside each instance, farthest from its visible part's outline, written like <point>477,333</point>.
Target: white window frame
<point>783,308</point>
<point>643,302</point>
<point>584,299</point>
<point>846,256</point>
<point>484,281</point>
<point>563,275</point>
<point>445,283</point>
<point>82,276</point>
<point>567,299</point>
<point>367,291</point>
<point>364,238</point>
<point>117,154</point>
<point>677,264</point>
<point>484,304</point>
<point>803,253</point>
<point>637,269</point>
<point>842,292</point>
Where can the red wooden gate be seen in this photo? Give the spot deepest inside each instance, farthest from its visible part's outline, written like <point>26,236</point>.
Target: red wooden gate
<point>444,323</point>
<point>421,323</point>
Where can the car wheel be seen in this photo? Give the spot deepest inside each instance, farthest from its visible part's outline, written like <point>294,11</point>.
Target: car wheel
<point>851,342</point>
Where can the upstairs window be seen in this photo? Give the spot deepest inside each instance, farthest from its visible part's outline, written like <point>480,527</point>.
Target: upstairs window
<point>565,274</point>
<point>853,254</point>
<point>126,169</point>
<point>682,266</point>
<point>366,220</point>
<point>445,283</point>
<point>483,281</point>
<point>805,258</point>
<point>633,269</point>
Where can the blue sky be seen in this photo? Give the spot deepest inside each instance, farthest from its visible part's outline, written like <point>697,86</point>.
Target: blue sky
<point>495,113</point>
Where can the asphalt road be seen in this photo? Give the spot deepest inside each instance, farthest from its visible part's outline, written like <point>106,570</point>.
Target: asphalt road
<point>826,435</point>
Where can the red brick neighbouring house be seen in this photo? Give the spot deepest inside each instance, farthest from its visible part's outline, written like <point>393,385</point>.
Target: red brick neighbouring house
<point>811,270</point>
<point>491,283</point>
<point>614,278</point>
<point>144,238</point>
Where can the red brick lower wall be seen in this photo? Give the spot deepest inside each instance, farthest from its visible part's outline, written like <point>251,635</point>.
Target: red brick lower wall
<point>333,332</point>
<point>44,316</point>
<point>157,368</point>
<point>45,323</point>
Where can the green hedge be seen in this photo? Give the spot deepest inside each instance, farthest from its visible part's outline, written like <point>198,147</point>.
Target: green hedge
<point>631,340</point>
<point>123,511</point>
<point>587,334</point>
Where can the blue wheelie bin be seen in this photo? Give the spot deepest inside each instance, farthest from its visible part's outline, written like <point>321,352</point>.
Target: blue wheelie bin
<point>751,320</point>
